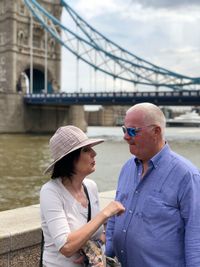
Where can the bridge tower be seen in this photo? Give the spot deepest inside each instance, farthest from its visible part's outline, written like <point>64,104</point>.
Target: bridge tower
<point>26,51</point>
<point>30,61</point>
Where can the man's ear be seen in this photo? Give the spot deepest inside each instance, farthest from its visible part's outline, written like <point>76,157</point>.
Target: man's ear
<point>157,130</point>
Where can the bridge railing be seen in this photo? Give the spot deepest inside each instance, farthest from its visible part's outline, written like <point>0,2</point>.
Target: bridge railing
<point>190,97</point>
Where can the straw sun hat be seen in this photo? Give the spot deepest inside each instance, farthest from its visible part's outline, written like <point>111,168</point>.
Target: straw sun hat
<point>67,139</point>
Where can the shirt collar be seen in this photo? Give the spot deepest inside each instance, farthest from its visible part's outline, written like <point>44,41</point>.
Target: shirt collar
<point>154,161</point>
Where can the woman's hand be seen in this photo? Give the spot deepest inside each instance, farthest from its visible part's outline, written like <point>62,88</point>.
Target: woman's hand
<point>113,208</point>
<point>78,238</point>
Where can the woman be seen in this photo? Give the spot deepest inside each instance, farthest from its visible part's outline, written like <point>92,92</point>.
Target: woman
<point>64,203</point>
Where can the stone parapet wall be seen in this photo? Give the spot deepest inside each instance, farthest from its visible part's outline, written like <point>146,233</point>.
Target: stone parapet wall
<point>20,237</point>
<point>20,234</point>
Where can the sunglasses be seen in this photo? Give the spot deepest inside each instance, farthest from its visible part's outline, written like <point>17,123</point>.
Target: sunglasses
<point>133,131</point>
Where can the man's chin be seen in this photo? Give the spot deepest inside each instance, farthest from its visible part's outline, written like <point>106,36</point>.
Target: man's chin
<point>132,150</point>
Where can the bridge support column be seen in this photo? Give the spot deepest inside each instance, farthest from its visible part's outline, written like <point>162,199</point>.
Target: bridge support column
<point>46,119</point>
<point>17,117</point>
<point>11,113</point>
<point>77,117</point>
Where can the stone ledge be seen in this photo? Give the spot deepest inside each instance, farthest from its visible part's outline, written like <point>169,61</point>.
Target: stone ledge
<point>106,197</point>
<point>21,229</point>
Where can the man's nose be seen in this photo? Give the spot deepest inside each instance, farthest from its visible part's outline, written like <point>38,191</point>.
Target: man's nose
<point>127,136</point>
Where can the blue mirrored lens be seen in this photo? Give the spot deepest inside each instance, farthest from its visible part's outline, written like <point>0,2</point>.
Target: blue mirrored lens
<point>131,131</point>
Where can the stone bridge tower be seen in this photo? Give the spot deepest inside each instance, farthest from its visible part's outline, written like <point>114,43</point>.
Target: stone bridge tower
<point>21,37</point>
<point>18,42</point>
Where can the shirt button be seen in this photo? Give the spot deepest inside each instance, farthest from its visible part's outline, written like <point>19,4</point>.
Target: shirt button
<point>130,211</point>
<point>122,251</point>
<point>136,191</point>
<point>124,230</point>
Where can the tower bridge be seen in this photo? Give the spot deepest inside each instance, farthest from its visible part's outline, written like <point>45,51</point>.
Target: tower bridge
<point>31,37</point>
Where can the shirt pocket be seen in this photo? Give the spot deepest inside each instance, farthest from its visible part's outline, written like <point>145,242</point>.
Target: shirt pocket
<point>162,216</point>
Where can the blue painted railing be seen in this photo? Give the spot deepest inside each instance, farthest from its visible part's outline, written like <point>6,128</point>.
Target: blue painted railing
<point>174,98</point>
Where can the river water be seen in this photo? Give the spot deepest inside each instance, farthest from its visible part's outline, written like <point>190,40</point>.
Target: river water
<point>24,157</point>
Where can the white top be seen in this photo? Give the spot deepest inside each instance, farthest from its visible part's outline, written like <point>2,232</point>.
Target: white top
<point>61,213</point>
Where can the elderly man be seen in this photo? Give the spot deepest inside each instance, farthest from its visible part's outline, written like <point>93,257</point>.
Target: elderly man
<point>161,193</point>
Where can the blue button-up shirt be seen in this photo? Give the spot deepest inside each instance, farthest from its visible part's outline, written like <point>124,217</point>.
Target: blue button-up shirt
<point>161,224</point>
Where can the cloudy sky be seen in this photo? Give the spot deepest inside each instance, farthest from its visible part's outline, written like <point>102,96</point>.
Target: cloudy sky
<point>164,32</point>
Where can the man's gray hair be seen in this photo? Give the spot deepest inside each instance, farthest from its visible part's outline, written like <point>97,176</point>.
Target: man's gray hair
<point>152,115</point>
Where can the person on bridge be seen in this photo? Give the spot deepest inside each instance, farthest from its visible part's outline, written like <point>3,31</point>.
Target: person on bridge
<point>66,198</point>
<point>160,191</point>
